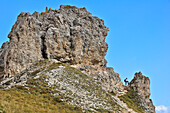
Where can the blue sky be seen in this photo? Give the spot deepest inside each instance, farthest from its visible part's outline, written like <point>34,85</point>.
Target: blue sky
<point>139,36</point>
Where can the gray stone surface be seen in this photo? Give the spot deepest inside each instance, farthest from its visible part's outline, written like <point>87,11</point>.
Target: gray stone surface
<point>141,84</point>
<point>69,34</point>
<point>109,79</point>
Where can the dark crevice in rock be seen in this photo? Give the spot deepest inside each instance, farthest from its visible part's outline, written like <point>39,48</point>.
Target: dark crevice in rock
<point>72,45</point>
<point>43,48</point>
<point>84,46</point>
<point>18,37</point>
<point>1,71</point>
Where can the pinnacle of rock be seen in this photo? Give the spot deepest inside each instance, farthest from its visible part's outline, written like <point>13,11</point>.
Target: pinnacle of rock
<point>69,34</point>
<point>141,85</point>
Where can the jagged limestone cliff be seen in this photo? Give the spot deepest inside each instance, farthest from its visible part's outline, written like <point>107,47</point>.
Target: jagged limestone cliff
<point>72,36</point>
<point>69,35</point>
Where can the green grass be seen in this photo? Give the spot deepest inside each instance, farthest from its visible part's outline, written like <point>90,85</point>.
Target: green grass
<point>132,99</point>
<point>35,98</point>
<point>20,101</point>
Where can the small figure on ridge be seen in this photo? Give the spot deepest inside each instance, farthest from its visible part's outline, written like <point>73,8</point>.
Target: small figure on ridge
<point>126,81</point>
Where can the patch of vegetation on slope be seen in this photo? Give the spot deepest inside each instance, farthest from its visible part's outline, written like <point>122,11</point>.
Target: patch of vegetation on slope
<point>132,99</point>
<point>57,87</point>
<point>34,97</point>
<point>21,100</point>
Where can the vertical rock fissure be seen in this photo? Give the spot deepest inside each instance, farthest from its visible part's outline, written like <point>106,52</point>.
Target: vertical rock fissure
<point>43,48</point>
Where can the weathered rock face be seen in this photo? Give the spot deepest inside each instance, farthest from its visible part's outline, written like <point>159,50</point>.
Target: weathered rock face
<point>109,79</point>
<point>3,56</point>
<point>69,35</point>
<point>141,84</point>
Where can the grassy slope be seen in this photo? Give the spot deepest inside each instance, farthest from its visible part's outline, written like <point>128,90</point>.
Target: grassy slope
<point>37,97</point>
<point>20,100</point>
<point>132,99</point>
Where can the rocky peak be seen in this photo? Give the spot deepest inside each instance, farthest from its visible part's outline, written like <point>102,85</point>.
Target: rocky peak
<point>69,34</point>
<point>141,84</point>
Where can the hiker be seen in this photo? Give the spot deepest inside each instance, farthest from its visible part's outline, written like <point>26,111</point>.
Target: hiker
<point>126,82</point>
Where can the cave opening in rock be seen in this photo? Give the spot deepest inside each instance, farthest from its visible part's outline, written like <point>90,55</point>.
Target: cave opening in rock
<point>43,48</point>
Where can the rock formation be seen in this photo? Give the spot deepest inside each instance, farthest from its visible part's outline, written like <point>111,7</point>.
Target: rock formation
<point>69,35</point>
<point>141,84</point>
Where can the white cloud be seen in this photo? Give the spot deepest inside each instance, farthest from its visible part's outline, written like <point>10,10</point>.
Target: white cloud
<point>162,109</point>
